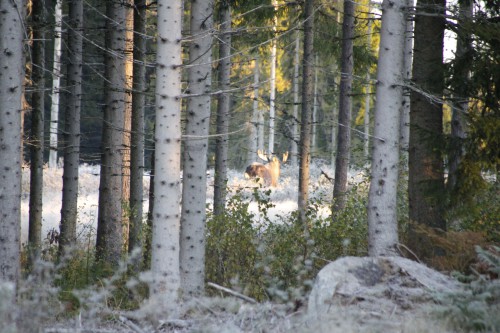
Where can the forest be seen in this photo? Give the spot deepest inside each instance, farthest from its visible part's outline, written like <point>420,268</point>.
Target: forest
<point>211,166</point>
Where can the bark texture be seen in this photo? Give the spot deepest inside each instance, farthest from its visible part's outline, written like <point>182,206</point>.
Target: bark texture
<point>72,127</point>
<point>307,110</point>
<point>194,180</point>
<point>37,130</point>
<point>109,224</point>
<point>11,88</point>
<point>426,179</point>
<point>345,104</point>
<point>382,198</point>
<point>223,105</point>
<point>165,286</point>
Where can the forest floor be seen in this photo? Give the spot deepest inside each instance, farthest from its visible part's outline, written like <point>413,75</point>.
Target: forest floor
<point>389,310</point>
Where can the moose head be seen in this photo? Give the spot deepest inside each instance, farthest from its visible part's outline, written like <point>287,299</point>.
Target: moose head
<point>269,172</point>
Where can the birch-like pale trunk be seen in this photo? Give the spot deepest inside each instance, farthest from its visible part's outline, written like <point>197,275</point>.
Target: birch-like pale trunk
<point>37,131</point>
<point>165,285</point>
<point>194,180</point>
<point>382,206</point>
<point>56,84</point>
<point>109,241</point>
<point>345,105</point>
<point>295,137</point>
<point>11,89</point>
<point>260,111</point>
<point>307,106</point>
<point>272,83</point>
<point>254,128</point>
<point>67,237</point>
<point>137,136</point>
<point>223,106</point>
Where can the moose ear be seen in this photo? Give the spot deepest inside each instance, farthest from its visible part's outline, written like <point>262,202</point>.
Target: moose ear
<point>285,157</point>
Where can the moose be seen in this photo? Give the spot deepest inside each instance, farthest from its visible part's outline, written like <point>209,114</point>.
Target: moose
<point>269,172</point>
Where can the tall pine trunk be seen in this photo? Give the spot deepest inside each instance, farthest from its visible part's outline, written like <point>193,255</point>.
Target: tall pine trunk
<point>11,89</point>
<point>37,130</point>
<point>194,180</point>
<point>72,127</point>
<point>307,106</point>
<point>137,136</point>
<point>426,177</point>
<point>272,84</point>
<point>382,197</point>
<point>254,125</point>
<point>223,105</point>
<point>165,285</point>
<point>345,104</point>
<point>109,224</point>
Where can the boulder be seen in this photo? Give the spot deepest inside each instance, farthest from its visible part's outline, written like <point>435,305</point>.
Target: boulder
<point>378,286</point>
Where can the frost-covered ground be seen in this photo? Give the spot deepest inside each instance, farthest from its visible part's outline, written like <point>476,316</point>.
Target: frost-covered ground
<point>393,307</point>
<point>283,197</point>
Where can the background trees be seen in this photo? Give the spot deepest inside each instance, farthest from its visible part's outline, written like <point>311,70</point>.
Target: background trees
<point>241,58</point>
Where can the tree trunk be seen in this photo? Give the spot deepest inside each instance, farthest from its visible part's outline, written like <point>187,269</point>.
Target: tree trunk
<point>166,215</point>
<point>69,208</point>
<point>254,125</point>
<point>345,105</point>
<point>223,105</point>
<point>127,124</point>
<point>37,130</point>
<point>368,86</point>
<point>294,150</point>
<point>315,110</point>
<point>307,106</point>
<point>404,137</point>
<point>11,89</point>
<point>426,180</point>
<point>382,205</point>
<point>109,225</point>
<point>56,85</point>
<point>461,105</point>
<point>194,180</point>
<point>272,83</point>
<point>137,135</point>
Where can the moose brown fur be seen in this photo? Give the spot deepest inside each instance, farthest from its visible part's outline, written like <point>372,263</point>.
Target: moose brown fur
<point>269,172</point>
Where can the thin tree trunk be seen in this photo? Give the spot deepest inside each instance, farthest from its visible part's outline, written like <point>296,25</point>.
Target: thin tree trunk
<point>345,105</point>
<point>194,180</point>
<point>254,125</point>
<point>272,83</point>
<point>260,113</point>
<point>382,206</point>
<point>404,137</point>
<point>137,135</point>
<point>307,101</point>
<point>11,89</point>
<point>109,225</point>
<point>37,130</point>
<point>366,137</point>
<point>426,177</point>
<point>164,289</point>
<point>223,106</point>
<point>295,120</point>
<point>315,110</point>
<point>56,84</point>
<point>127,125</point>
<point>69,208</point>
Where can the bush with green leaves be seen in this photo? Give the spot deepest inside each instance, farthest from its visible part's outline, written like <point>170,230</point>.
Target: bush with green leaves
<point>277,258</point>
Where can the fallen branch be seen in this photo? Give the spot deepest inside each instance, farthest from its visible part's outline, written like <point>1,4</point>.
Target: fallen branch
<point>232,293</point>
